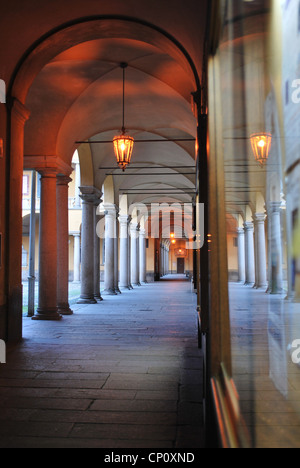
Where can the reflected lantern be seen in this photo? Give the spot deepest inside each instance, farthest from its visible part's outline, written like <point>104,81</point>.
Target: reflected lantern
<point>261,145</point>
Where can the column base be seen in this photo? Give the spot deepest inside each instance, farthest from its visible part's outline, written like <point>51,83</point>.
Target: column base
<point>86,300</point>
<point>118,291</point>
<point>109,292</point>
<point>261,286</point>
<point>125,288</point>
<point>251,285</point>
<point>49,315</point>
<point>98,297</point>
<point>64,309</point>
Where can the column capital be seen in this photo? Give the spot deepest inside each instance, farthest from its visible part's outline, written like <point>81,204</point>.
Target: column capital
<point>275,207</point>
<point>48,173</point>
<point>240,231</point>
<point>90,194</point>
<point>142,232</point>
<point>260,217</point>
<point>63,180</point>
<point>249,226</point>
<point>110,208</point>
<point>124,219</point>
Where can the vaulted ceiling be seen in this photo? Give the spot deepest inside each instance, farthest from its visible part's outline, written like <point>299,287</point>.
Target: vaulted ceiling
<point>77,96</point>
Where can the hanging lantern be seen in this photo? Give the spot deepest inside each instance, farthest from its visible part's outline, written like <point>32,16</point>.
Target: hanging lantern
<point>261,145</point>
<point>123,144</point>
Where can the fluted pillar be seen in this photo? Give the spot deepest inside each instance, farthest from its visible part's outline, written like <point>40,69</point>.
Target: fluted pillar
<point>241,255</point>
<point>63,245</point>
<point>276,275</point>
<point>249,252</point>
<point>89,196</point>
<point>124,257</point>
<point>261,255</point>
<point>134,254</point>
<point>47,308</point>
<point>142,253</point>
<point>76,258</point>
<point>110,233</point>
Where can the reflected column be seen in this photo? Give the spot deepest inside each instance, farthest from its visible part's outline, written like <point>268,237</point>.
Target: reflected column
<point>261,255</point>
<point>241,255</point>
<point>249,253</point>
<point>276,250</point>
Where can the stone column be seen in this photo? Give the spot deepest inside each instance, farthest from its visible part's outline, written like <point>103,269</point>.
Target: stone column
<point>88,195</point>
<point>261,255</point>
<point>138,255</point>
<point>110,223</point>
<point>249,252</point>
<point>97,292</point>
<point>47,309</point>
<point>241,255</point>
<point>134,254</point>
<point>116,257</point>
<point>142,254</point>
<point>124,257</point>
<point>76,258</point>
<point>276,259</point>
<point>63,245</point>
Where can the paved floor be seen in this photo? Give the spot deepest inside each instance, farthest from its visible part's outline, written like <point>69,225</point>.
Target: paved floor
<point>125,373</point>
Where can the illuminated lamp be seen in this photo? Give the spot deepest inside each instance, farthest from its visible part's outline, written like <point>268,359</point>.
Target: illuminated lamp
<point>261,145</point>
<point>123,144</point>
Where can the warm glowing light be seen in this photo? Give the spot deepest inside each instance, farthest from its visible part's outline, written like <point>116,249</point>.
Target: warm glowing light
<point>172,235</point>
<point>261,145</point>
<point>174,241</point>
<point>123,146</point>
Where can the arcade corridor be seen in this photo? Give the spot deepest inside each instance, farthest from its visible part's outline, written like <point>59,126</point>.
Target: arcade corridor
<point>125,373</point>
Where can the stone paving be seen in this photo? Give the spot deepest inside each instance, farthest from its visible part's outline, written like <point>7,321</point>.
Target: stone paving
<point>125,373</point>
